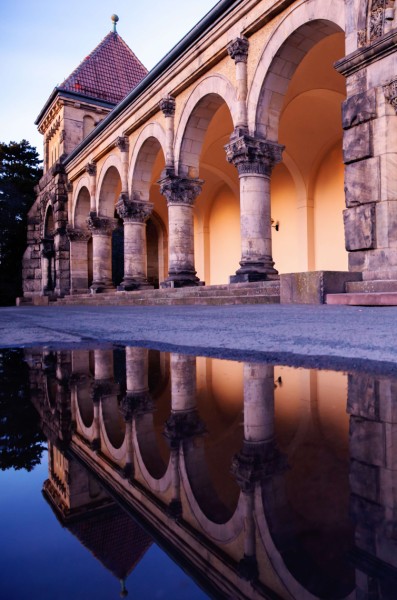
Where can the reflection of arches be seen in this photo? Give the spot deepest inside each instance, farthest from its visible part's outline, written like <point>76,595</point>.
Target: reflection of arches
<point>112,421</point>
<point>85,403</point>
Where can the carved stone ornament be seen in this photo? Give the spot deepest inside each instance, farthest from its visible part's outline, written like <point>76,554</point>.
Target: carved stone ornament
<point>135,404</point>
<point>253,156</point>
<point>167,105</point>
<point>238,49</point>
<point>91,169</point>
<point>69,187</point>
<point>101,225</point>
<point>379,12</point>
<point>77,235</point>
<point>180,190</point>
<point>361,38</point>
<point>131,210</point>
<point>183,425</point>
<point>390,91</point>
<point>122,143</point>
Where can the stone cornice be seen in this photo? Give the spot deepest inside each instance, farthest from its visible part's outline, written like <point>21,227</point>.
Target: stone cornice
<point>362,57</point>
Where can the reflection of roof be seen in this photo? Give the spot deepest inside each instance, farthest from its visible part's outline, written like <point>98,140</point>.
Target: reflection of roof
<point>113,538</point>
<point>109,73</point>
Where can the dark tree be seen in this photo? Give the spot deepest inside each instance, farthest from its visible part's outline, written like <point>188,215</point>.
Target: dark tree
<point>21,440</point>
<point>20,171</point>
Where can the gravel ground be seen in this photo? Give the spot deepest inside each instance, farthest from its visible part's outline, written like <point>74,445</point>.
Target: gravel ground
<point>337,337</point>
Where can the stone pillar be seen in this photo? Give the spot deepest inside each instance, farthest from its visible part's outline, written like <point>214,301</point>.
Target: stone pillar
<point>181,194</point>
<point>167,105</point>
<point>48,266</point>
<point>135,215</point>
<point>78,239</point>
<point>238,51</point>
<point>91,170</point>
<point>122,144</point>
<point>254,159</point>
<point>184,423</point>
<point>101,229</point>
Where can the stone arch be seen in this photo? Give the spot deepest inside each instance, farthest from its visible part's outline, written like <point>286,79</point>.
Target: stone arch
<point>150,141</point>
<point>83,184</point>
<point>301,29</point>
<point>204,101</point>
<point>49,221</point>
<point>109,186</point>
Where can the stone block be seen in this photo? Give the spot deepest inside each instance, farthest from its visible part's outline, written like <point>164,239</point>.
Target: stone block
<point>357,143</point>
<point>364,480</point>
<point>362,182</point>
<point>360,230</point>
<point>312,287</point>
<point>359,109</point>
<point>368,441</point>
<point>40,300</point>
<point>386,224</point>
<point>363,396</point>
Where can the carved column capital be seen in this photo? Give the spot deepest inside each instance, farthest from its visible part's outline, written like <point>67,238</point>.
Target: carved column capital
<point>238,49</point>
<point>101,225</point>
<point>122,143</point>
<point>183,425</point>
<point>252,155</point>
<point>132,210</point>
<point>77,235</point>
<point>167,106</point>
<point>390,91</point>
<point>256,462</point>
<point>91,169</point>
<point>180,190</point>
<point>135,404</point>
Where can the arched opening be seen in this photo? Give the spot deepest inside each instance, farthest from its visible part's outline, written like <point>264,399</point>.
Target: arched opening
<point>300,107</point>
<point>109,194</point>
<point>48,266</point>
<point>217,215</point>
<point>81,268</point>
<point>152,245</point>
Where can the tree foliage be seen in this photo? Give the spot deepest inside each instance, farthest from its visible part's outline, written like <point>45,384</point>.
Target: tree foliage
<point>21,440</point>
<point>20,171</point>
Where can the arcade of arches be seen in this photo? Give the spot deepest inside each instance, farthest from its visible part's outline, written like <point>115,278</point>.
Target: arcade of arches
<point>231,161</point>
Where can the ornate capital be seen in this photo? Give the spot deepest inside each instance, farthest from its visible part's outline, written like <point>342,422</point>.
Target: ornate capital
<point>167,105</point>
<point>136,404</point>
<point>380,11</point>
<point>132,210</point>
<point>390,91</point>
<point>238,49</point>
<point>180,190</point>
<point>77,235</point>
<point>122,143</point>
<point>101,225</point>
<point>252,155</point>
<point>183,425</point>
<point>91,169</point>
<point>256,462</point>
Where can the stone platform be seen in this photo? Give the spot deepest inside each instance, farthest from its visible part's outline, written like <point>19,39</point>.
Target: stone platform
<point>366,293</point>
<point>263,292</point>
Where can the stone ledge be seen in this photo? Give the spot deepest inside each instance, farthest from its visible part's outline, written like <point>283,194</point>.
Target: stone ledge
<point>313,287</point>
<point>363,299</point>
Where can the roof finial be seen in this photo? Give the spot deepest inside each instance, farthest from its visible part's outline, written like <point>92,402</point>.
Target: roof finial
<point>114,19</point>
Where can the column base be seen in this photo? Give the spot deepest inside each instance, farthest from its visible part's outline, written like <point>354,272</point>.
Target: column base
<point>258,271</point>
<point>130,285</point>
<point>99,287</point>
<point>179,280</point>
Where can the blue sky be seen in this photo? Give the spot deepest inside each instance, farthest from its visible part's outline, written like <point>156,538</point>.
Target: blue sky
<point>42,42</point>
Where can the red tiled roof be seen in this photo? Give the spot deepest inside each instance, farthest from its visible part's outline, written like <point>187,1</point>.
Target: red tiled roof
<point>109,73</point>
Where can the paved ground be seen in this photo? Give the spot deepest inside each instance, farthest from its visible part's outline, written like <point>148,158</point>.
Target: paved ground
<point>319,336</point>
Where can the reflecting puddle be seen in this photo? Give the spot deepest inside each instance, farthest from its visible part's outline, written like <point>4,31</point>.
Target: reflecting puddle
<point>258,481</point>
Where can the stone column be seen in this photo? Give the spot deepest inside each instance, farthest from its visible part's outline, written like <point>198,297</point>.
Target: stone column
<point>184,423</point>
<point>238,51</point>
<point>167,105</point>
<point>48,266</point>
<point>135,215</point>
<point>91,170</point>
<point>122,144</point>
<point>181,194</point>
<point>101,229</point>
<point>254,159</point>
<point>78,239</point>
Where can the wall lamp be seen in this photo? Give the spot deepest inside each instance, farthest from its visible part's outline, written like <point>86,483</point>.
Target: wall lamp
<point>275,224</point>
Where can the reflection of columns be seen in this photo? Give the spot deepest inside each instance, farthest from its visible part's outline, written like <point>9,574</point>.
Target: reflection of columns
<point>122,144</point>
<point>91,170</point>
<point>254,159</point>
<point>101,229</point>
<point>78,259</point>
<point>258,458</point>
<point>238,51</point>
<point>135,215</point>
<point>181,194</point>
<point>184,423</point>
<point>103,386</point>
<point>47,265</point>
<point>167,105</point>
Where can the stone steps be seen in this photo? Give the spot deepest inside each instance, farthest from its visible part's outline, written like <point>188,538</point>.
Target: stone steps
<point>363,299</point>
<point>253,293</point>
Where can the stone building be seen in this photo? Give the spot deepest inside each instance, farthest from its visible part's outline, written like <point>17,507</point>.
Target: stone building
<point>263,143</point>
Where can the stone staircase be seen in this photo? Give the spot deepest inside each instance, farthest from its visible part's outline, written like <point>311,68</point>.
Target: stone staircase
<point>366,293</point>
<point>261,292</point>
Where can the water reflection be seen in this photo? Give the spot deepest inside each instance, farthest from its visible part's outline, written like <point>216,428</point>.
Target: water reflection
<point>256,478</point>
